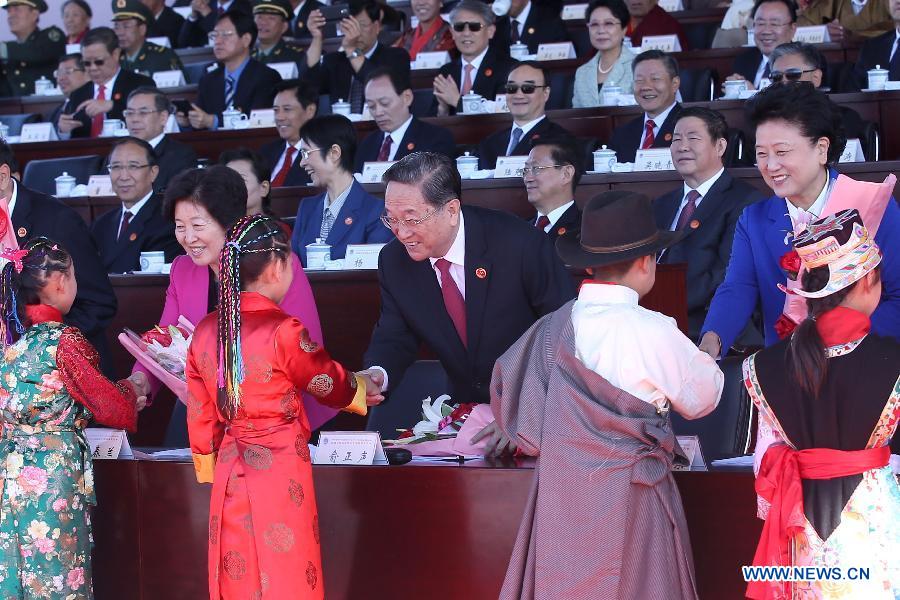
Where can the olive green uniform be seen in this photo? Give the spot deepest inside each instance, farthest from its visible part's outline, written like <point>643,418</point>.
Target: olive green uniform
<point>152,58</point>
<point>26,62</point>
<point>283,52</point>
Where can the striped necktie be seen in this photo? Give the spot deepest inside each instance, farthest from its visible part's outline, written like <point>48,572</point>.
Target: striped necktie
<point>229,91</point>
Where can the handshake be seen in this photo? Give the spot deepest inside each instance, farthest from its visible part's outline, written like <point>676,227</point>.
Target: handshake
<point>374,379</point>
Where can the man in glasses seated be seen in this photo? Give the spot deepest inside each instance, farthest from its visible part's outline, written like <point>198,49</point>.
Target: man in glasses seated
<point>138,226</point>
<point>131,22</point>
<point>551,174</point>
<point>104,97</point>
<point>880,51</point>
<point>774,23</point>
<point>389,97</point>
<point>527,93</point>
<point>479,68</point>
<point>70,75</point>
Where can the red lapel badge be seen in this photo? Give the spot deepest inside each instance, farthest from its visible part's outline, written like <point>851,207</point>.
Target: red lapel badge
<point>22,232</point>
<point>561,231</point>
<point>410,146</point>
<point>668,137</point>
<point>480,273</point>
<point>488,72</point>
<point>695,224</point>
<point>348,221</point>
<point>531,31</point>
<point>132,237</point>
<point>117,96</point>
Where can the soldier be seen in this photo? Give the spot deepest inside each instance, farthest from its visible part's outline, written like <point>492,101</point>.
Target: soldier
<point>130,19</point>
<point>166,22</point>
<point>273,20</point>
<point>35,52</point>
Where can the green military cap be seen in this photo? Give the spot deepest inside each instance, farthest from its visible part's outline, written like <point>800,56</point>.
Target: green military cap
<point>282,8</point>
<point>40,5</point>
<point>131,9</point>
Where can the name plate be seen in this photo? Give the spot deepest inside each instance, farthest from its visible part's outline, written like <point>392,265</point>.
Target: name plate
<point>362,256</point>
<point>160,40</point>
<point>665,43</point>
<point>262,117</point>
<point>168,79</point>
<point>691,446</point>
<point>654,159</point>
<point>37,132</point>
<point>430,60</point>
<point>184,11</point>
<point>812,34</point>
<point>287,70</point>
<point>500,104</point>
<point>671,5</point>
<point>100,185</point>
<point>73,48</point>
<point>510,166</point>
<point>350,448</point>
<point>852,152</point>
<point>573,12</point>
<point>108,444</point>
<point>556,51</point>
<point>372,171</point>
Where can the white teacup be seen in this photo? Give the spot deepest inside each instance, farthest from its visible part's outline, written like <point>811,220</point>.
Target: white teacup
<point>877,78</point>
<point>111,126</point>
<point>4,131</point>
<point>473,103</point>
<point>734,87</point>
<point>152,262</point>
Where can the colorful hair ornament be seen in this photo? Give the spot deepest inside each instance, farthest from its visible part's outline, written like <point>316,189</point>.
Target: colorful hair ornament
<point>15,256</point>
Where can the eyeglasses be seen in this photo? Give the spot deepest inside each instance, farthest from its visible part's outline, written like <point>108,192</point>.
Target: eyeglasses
<point>66,72</point>
<point>393,224</point>
<point>527,88</point>
<point>792,74</point>
<point>130,168</point>
<point>606,25</point>
<point>305,153</point>
<point>94,63</point>
<point>130,112</point>
<point>474,26</point>
<point>533,171</point>
<point>769,25</point>
<point>214,35</point>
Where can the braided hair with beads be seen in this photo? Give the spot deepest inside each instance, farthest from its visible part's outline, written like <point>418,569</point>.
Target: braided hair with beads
<point>252,244</point>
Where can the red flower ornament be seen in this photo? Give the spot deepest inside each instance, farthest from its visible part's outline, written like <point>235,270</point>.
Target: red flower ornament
<point>790,264</point>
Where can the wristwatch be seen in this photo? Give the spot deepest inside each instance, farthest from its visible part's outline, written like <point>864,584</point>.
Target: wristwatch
<point>355,54</point>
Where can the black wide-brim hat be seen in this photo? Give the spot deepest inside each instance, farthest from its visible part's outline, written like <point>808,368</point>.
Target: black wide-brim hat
<point>616,226</point>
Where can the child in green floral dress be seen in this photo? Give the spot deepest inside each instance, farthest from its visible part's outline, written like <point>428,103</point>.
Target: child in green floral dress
<point>50,388</point>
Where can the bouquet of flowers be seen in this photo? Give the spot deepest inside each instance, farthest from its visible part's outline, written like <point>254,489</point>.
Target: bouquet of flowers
<point>445,429</point>
<point>163,352</point>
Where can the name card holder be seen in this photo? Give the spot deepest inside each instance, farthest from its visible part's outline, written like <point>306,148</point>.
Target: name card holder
<point>350,448</point>
<point>73,48</point>
<point>184,11</point>
<point>665,43</point>
<point>262,117</point>
<point>573,12</point>
<point>108,444</point>
<point>430,60</point>
<point>500,104</point>
<point>654,159</point>
<point>362,256</point>
<point>169,79</point>
<point>812,34</point>
<point>556,51</point>
<point>852,152</point>
<point>671,5</point>
<point>160,40</point>
<point>37,132</point>
<point>509,166</point>
<point>100,185</point>
<point>690,444</point>
<point>372,171</point>
<point>287,70</point>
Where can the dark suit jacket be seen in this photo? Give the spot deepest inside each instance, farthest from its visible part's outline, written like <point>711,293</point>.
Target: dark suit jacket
<point>333,75</point>
<point>495,145</point>
<point>255,89</point>
<point>707,248</point>
<point>419,137</point>
<point>194,33</point>
<point>513,278</point>
<point>875,51</point>
<point>298,27</point>
<point>168,24</point>
<point>272,152</point>
<point>543,26</point>
<point>489,81</point>
<point>747,63</point>
<point>627,138</point>
<point>358,222</point>
<point>95,305</point>
<point>150,232</point>
<point>126,82</point>
<point>569,221</point>
<point>173,157</point>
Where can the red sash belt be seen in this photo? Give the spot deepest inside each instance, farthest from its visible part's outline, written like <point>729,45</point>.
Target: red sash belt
<point>779,482</point>
<point>421,38</point>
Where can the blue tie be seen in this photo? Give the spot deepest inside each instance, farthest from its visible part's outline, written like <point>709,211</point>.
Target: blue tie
<point>229,91</point>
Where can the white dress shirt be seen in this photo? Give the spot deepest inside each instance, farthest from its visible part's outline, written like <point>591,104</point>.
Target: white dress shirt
<point>757,79</point>
<point>642,352</point>
<point>894,48</point>
<point>658,120</point>
<point>134,210</point>
<point>397,137</point>
<point>156,141</point>
<point>555,214</point>
<point>523,16</point>
<point>11,205</point>
<point>334,206</point>
<point>526,127</point>
<point>277,168</point>
<point>109,86</point>
<point>799,215</point>
<point>476,63</point>
<point>702,189</point>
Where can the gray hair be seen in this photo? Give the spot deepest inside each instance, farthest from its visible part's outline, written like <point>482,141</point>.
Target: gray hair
<point>434,174</point>
<point>474,6</point>
<point>810,55</point>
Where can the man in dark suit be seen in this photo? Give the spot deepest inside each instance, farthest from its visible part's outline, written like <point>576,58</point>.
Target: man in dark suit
<point>166,22</point>
<point>527,93</point>
<point>295,103</point>
<point>388,97</point>
<point>706,208</point>
<point>551,174</point>
<point>530,24</point>
<point>479,68</point>
<point>239,81</point>
<point>105,95</point>
<point>342,74</point>
<point>70,75</point>
<point>656,84</point>
<point>138,226</point>
<point>146,116</point>
<point>774,23</point>
<point>34,215</point>
<point>880,51</point>
<point>203,18</point>
<point>465,282</point>
<point>301,10</point>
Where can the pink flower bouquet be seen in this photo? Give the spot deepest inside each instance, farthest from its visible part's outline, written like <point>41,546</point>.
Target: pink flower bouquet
<point>445,429</point>
<point>163,352</point>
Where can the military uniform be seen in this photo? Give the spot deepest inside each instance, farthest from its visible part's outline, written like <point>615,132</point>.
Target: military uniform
<point>283,52</point>
<point>152,58</point>
<point>26,62</point>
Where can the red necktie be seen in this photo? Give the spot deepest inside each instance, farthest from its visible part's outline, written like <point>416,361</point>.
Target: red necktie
<point>285,167</point>
<point>688,211</point>
<point>467,80</point>
<point>126,219</point>
<point>649,138</point>
<point>453,300</point>
<point>385,151</point>
<point>542,222</point>
<point>97,121</point>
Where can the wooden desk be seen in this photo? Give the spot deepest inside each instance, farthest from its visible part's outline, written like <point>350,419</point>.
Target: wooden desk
<point>407,532</point>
